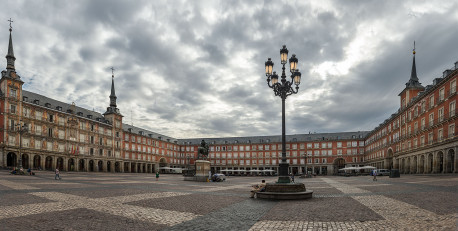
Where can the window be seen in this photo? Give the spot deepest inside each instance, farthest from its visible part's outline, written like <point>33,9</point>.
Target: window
<point>13,93</point>
<point>13,109</point>
<point>451,130</point>
<point>101,141</point>
<point>441,114</point>
<point>92,139</point>
<point>422,123</point>
<point>431,119</point>
<point>339,144</point>
<point>12,125</point>
<point>51,118</point>
<point>431,102</point>
<point>452,87</point>
<point>316,145</point>
<point>440,135</point>
<point>422,140</point>
<point>50,132</point>
<point>452,109</point>
<point>323,160</point>
<point>430,138</point>
<point>100,152</point>
<point>441,94</point>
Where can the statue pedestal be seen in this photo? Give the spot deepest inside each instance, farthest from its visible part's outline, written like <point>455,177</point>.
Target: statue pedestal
<point>202,170</point>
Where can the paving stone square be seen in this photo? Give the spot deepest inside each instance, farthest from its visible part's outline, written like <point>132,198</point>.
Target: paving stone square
<point>106,201</point>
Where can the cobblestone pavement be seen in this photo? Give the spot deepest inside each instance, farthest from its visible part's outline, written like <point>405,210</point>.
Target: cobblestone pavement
<point>103,201</point>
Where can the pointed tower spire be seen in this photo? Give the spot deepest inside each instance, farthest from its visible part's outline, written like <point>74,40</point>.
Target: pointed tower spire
<point>112,110</point>
<point>413,81</point>
<point>113,94</point>
<point>10,56</point>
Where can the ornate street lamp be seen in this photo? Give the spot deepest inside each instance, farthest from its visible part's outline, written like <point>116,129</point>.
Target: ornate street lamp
<point>21,128</point>
<point>283,89</point>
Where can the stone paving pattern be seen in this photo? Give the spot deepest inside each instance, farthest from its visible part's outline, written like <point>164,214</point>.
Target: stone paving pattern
<point>103,201</point>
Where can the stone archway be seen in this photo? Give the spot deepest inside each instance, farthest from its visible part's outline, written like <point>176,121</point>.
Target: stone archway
<point>403,165</point>
<point>414,163</point>
<point>25,161</point>
<point>100,166</point>
<point>81,165</point>
<point>389,159</point>
<point>91,165</point>
<point>48,163</point>
<point>37,162</point>
<point>440,162</point>
<point>60,163</point>
<point>430,163</point>
<point>71,165</point>
<point>126,167</point>
<point>11,160</point>
<point>338,164</point>
<point>117,167</point>
<point>162,163</point>
<point>450,166</point>
<point>421,166</point>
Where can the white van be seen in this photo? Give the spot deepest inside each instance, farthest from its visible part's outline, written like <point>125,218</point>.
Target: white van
<point>383,172</point>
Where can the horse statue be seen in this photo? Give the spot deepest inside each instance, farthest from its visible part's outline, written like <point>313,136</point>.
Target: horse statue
<point>202,151</point>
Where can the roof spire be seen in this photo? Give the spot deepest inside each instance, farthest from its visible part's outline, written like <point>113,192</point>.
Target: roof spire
<point>413,81</point>
<point>113,94</point>
<point>10,55</point>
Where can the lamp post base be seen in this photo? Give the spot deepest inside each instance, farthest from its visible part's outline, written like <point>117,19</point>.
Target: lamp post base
<point>283,173</point>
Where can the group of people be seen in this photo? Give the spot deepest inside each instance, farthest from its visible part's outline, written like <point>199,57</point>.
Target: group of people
<point>20,171</point>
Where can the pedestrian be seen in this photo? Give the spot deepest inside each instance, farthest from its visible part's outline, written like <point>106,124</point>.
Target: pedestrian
<point>375,175</point>
<point>157,176</point>
<point>292,177</point>
<point>258,188</point>
<point>57,176</point>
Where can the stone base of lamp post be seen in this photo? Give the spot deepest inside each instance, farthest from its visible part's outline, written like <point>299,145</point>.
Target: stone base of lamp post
<point>283,173</point>
<point>291,191</point>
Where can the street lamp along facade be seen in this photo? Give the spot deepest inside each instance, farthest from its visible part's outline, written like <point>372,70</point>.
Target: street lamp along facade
<point>283,89</point>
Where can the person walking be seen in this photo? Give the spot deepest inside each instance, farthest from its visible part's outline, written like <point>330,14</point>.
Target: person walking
<point>57,176</point>
<point>375,175</point>
<point>157,176</point>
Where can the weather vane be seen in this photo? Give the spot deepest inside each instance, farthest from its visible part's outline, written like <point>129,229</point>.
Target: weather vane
<point>112,72</point>
<point>10,23</point>
<point>414,47</point>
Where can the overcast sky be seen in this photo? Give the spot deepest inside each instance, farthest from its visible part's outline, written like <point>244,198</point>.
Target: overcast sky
<point>191,69</point>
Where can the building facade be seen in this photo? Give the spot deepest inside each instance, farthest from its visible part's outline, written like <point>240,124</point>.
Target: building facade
<point>42,133</point>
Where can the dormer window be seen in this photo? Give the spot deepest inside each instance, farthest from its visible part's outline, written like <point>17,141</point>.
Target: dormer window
<point>25,98</point>
<point>129,129</point>
<point>89,116</point>
<point>37,102</point>
<point>150,135</point>
<point>140,132</point>
<point>47,105</point>
<point>59,108</point>
<point>80,113</point>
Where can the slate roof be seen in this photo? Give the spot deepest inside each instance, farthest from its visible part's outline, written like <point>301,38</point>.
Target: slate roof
<point>277,139</point>
<point>137,130</point>
<point>49,103</point>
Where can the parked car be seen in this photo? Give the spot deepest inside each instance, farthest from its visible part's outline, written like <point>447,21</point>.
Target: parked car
<point>218,177</point>
<point>383,172</point>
